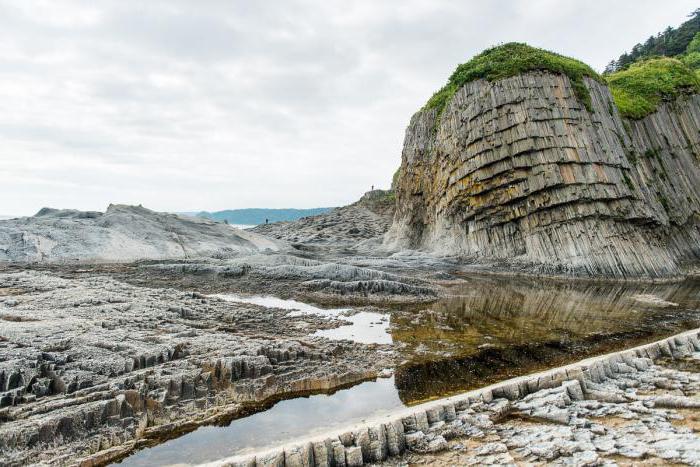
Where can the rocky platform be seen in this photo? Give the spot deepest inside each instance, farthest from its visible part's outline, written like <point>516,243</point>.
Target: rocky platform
<point>122,234</point>
<point>332,280</point>
<point>91,368</point>
<point>517,174</point>
<point>343,227</point>
<point>636,407</point>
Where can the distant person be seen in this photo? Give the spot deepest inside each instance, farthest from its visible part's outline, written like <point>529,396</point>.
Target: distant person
<point>267,221</point>
<point>372,188</point>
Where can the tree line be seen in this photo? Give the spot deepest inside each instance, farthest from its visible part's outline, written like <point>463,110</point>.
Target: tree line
<point>669,43</point>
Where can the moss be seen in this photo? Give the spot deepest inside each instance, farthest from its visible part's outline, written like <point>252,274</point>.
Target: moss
<point>639,89</point>
<point>513,59</point>
<point>649,153</point>
<point>627,181</point>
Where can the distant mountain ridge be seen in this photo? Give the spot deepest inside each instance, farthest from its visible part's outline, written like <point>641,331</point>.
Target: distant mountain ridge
<point>255,216</point>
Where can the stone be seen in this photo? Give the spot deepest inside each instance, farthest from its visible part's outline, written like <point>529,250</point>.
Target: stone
<point>299,456</point>
<point>378,443</point>
<point>353,457</point>
<point>275,459</point>
<point>491,448</point>
<point>323,454</point>
<point>518,173</point>
<point>396,440</point>
<point>585,458</point>
<point>361,439</point>
<point>338,454</point>
<point>422,423</point>
<point>415,439</point>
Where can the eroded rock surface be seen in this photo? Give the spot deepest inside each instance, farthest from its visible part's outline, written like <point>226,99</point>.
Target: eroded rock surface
<point>90,367</point>
<point>647,415</point>
<point>123,234</point>
<point>342,227</point>
<point>636,407</point>
<point>519,175</point>
<point>329,278</point>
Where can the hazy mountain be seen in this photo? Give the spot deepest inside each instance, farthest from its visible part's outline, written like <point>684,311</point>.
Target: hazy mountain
<point>254,216</point>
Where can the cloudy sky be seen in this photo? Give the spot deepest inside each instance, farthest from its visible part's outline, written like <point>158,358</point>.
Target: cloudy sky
<point>188,105</point>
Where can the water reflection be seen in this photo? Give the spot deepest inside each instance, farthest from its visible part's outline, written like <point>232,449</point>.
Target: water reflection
<point>488,329</point>
<point>365,327</point>
<point>492,328</point>
<point>281,423</point>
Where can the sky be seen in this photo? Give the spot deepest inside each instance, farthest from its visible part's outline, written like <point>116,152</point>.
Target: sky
<point>210,105</point>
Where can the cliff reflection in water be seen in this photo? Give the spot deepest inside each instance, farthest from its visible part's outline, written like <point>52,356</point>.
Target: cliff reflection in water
<point>493,328</point>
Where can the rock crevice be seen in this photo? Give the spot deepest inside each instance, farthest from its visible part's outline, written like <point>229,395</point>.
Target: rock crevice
<point>519,172</point>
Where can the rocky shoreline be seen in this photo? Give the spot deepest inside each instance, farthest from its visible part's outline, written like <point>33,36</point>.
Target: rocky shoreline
<point>92,365</point>
<point>637,405</point>
<point>97,361</point>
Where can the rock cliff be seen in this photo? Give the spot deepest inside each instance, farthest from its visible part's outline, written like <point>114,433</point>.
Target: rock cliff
<point>520,173</point>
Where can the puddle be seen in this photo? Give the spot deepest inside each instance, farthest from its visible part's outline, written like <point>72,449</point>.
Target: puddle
<point>296,308</point>
<point>489,329</point>
<point>285,421</point>
<point>494,328</point>
<point>364,327</point>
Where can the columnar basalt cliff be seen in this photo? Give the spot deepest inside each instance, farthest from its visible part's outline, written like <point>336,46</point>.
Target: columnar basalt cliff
<point>520,173</point>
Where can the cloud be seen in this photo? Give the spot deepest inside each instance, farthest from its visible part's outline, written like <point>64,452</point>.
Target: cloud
<point>183,105</point>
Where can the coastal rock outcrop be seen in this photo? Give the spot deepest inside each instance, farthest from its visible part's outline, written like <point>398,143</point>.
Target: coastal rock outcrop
<point>91,367</point>
<point>343,227</point>
<point>520,174</point>
<point>122,233</point>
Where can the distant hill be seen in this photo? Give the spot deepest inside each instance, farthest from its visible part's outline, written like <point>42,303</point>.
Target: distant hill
<point>672,42</point>
<point>254,216</point>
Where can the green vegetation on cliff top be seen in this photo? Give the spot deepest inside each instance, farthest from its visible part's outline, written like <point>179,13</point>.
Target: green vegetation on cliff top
<point>637,90</point>
<point>640,88</point>
<point>672,42</point>
<point>513,59</point>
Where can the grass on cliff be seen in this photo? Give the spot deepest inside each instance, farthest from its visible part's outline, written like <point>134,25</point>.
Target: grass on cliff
<point>639,89</point>
<point>509,60</point>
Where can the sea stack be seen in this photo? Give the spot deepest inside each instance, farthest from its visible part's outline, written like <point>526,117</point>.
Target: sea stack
<point>532,167</point>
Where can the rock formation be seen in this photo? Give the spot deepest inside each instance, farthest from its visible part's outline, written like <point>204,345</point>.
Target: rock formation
<point>122,233</point>
<point>91,366</point>
<point>341,227</point>
<point>518,173</point>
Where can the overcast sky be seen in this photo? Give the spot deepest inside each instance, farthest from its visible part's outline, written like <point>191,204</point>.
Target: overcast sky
<point>188,105</point>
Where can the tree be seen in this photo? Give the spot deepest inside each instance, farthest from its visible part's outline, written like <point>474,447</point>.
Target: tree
<point>611,67</point>
<point>694,45</point>
<point>670,42</point>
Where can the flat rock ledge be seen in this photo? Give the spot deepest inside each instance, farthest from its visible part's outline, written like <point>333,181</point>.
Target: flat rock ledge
<point>634,406</point>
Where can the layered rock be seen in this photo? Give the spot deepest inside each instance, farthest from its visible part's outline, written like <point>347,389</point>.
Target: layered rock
<point>518,172</point>
<point>92,367</point>
<point>342,227</point>
<point>122,233</point>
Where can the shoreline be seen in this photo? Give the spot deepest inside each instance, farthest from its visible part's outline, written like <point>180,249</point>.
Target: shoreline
<point>595,369</point>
